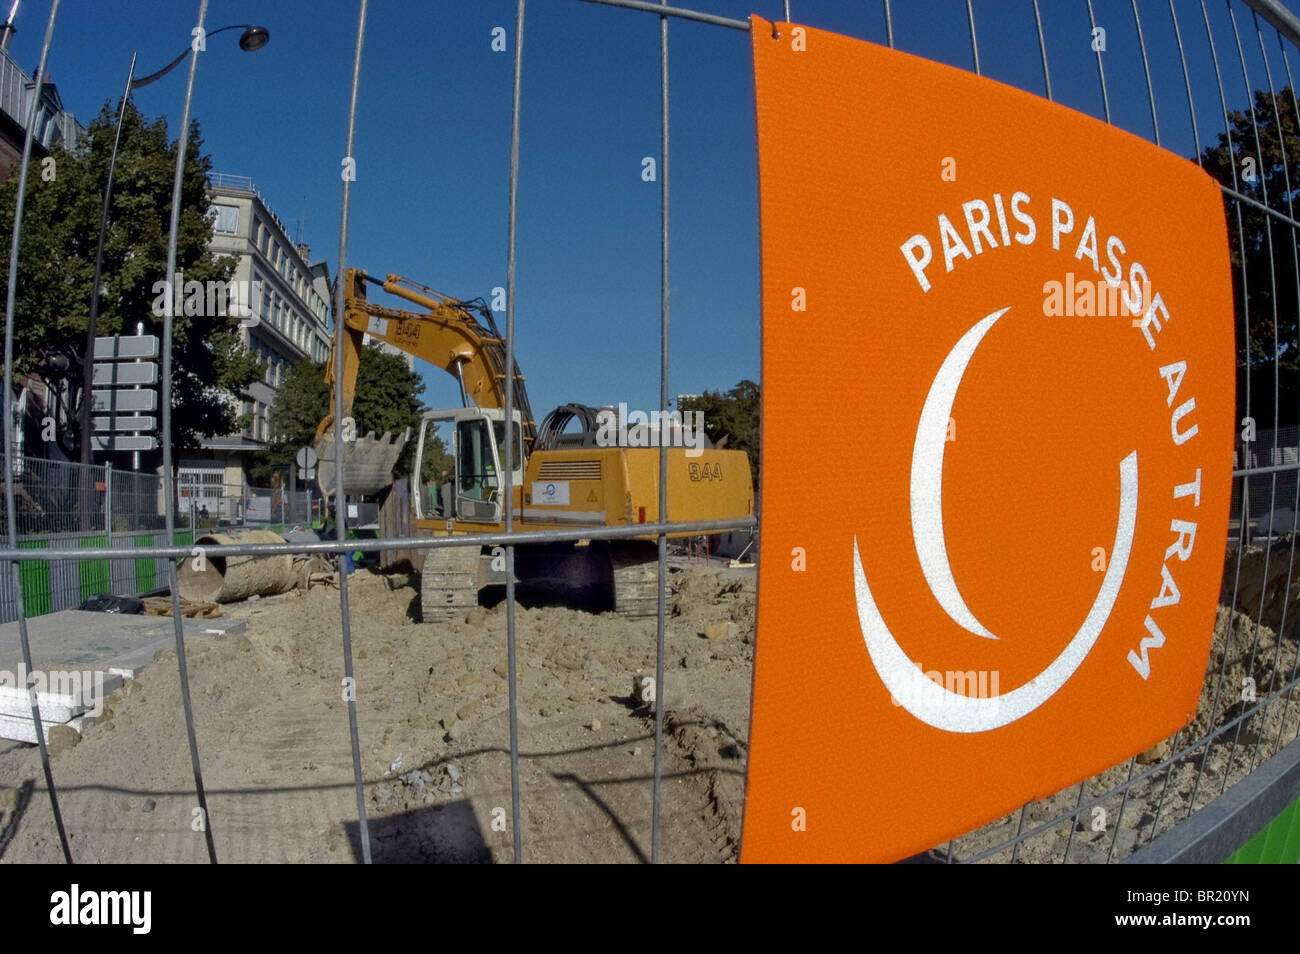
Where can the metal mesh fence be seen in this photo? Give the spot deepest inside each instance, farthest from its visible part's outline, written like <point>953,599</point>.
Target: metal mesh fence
<point>60,497</point>
<point>1247,715</point>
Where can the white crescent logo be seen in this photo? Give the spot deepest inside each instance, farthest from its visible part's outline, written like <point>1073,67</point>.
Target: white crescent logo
<point>934,704</point>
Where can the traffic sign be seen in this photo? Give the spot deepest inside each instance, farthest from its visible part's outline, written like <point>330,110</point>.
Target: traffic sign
<point>306,458</point>
<point>120,347</point>
<point>125,372</point>
<point>126,422</point>
<point>108,401</point>
<point>125,442</point>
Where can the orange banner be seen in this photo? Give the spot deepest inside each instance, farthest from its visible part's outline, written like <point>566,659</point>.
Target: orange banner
<point>998,382</point>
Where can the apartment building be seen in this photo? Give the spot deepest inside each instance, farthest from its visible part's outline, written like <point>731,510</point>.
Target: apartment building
<point>292,323</point>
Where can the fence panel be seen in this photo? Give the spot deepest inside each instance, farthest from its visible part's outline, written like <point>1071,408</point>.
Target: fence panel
<point>1233,733</point>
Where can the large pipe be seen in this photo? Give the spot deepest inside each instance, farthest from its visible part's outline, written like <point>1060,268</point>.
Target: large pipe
<point>230,579</point>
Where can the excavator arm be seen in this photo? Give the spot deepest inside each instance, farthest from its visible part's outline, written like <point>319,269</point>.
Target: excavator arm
<point>446,334</point>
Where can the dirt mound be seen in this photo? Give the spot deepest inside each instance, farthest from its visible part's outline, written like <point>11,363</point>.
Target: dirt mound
<point>432,702</point>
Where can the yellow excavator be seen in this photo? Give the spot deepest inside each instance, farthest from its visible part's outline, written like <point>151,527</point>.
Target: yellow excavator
<point>582,467</point>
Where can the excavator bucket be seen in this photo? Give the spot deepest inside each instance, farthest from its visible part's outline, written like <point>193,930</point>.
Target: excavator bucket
<point>367,462</point>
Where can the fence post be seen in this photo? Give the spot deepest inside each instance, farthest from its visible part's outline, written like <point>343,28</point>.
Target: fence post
<point>108,500</point>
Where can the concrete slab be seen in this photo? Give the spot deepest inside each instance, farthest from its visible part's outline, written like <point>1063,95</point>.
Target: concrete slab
<point>115,645</point>
<point>22,730</point>
<point>73,639</point>
<point>61,694</point>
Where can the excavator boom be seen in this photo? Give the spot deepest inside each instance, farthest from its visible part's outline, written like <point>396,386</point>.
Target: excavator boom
<point>447,334</point>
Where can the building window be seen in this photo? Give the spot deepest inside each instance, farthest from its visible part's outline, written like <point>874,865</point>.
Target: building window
<point>225,219</point>
<point>202,485</point>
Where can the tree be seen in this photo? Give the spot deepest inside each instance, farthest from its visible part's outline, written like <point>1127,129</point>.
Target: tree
<point>1267,245</point>
<point>57,261</point>
<point>387,400</point>
<point>734,416</point>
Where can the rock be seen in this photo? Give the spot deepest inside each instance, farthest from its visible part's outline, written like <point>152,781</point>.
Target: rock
<point>244,644</point>
<point>385,796</point>
<point>61,738</point>
<point>566,658</point>
<point>453,771</point>
<point>458,731</point>
<point>720,630</point>
<point>468,679</point>
<point>502,669</point>
<point>1157,753</point>
<point>396,764</point>
<point>544,712</point>
<point>447,721</point>
<point>148,805</point>
<point>595,725</point>
<point>467,710</point>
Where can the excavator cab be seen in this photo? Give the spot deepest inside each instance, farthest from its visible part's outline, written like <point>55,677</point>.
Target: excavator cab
<point>475,491</point>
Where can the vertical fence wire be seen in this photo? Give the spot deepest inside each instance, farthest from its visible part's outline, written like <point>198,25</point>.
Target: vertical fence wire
<point>1295,245</point>
<point>1101,70</point>
<point>1272,274</point>
<point>1187,81</point>
<point>169,477</point>
<point>1245,513</point>
<point>11,506</point>
<point>1042,48</point>
<point>974,44</point>
<point>340,496</point>
<point>1146,69</point>
<point>1295,666</point>
<point>663,444</point>
<point>511,643</point>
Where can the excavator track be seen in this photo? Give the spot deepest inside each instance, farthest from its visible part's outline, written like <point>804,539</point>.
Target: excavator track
<point>449,583</point>
<point>636,578</point>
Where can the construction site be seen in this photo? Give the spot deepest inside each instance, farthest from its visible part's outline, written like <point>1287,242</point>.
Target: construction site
<point>495,634</point>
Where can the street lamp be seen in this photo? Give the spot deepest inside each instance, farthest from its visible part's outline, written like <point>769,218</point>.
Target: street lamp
<point>252,39</point>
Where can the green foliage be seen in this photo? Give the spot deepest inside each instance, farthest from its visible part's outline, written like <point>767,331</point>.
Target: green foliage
<point>387,400</point>
<point>57,262</point>
<point>301,402</point>
<point>735,416</point>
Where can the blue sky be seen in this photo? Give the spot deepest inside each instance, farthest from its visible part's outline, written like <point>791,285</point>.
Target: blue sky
<point>433,137</point>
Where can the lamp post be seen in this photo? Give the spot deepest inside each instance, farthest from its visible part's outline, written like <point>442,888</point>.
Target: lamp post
<point>252,39</point>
